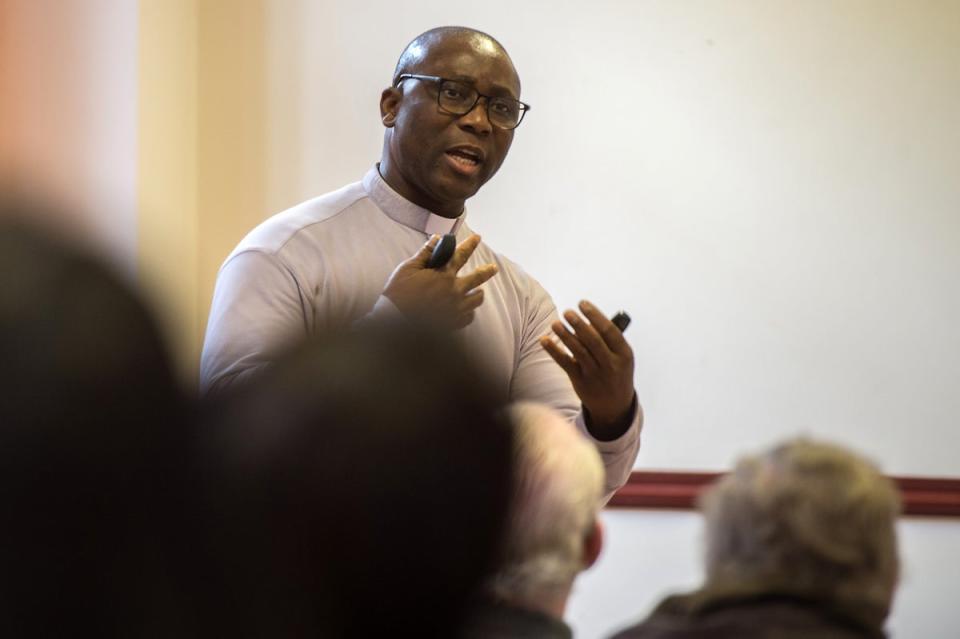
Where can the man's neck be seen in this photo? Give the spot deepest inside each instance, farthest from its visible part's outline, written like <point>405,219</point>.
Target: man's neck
<point>400,186</point>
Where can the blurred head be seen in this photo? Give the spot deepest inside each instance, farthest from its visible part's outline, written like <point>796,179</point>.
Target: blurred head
<point>554,531</point>
<point>809,518</point>
<point>90,427</point>
<point>433,157</point>
<point>362,485</point>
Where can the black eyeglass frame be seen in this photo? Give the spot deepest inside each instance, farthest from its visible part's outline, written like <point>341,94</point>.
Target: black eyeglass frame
<point>524,107</point>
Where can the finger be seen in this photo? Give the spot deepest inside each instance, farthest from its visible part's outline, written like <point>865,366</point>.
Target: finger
<point>472,300</point>
<point>560,356</point>
<point>587,363</point>
<point>475,278</point>
<point>422,256</point>
<point>608,331</point>
<point>590,338</point>
<point>463,253</point>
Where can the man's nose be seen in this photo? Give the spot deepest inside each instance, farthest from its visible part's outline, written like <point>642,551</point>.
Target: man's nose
<point>476,119</point>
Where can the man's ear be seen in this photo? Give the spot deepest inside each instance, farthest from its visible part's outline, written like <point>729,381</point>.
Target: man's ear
<point>593,544</point>
<point>389,105</point>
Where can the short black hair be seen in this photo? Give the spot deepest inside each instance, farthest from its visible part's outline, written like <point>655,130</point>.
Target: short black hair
<point>362,485</point>
<point>91,436</point>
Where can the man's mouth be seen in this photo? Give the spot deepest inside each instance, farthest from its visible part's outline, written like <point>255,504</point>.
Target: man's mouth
<point>465,159</point>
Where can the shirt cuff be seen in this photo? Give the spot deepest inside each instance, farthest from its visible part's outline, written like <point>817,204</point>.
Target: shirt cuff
<point>618,455</point>
<point>627,441</point>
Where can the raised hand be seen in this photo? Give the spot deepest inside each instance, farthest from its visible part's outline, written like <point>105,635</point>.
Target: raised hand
<point>439,296</point>
<point>599,363</point>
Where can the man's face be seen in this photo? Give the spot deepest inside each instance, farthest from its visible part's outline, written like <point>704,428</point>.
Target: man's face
<point>437,159</point>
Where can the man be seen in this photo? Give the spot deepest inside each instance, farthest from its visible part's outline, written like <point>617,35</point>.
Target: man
<point>449,119</point>
<point>801,542</point>
<point>554,531</point>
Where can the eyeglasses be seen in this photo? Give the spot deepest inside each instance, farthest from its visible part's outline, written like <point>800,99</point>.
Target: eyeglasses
<point>459,98</point>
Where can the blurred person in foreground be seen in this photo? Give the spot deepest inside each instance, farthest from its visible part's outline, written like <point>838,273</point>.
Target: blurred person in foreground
<point>358,488</point>
<point>554,531</point>
<point>92,448</point>
<point>800,542</point>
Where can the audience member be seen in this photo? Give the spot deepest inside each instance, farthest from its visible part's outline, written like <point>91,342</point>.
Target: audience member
<point>359,489</point>
<point>91,448</point>
<point>801,542</point>
<point>554,531</point>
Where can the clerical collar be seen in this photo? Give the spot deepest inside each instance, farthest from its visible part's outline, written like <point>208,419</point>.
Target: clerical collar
<point>402,210</point>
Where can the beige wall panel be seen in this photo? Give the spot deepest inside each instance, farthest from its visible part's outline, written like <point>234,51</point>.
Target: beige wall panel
<point>168,238</point>
<point>231,142</point>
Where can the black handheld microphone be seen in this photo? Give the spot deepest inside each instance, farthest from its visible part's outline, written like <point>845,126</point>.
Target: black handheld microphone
<point>621,320</point>
<point>443,251</point>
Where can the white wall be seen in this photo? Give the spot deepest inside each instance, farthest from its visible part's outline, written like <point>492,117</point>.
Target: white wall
<point>773,195</point>
<point>652,554</point>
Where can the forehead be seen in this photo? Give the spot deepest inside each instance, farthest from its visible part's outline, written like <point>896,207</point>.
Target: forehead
<point>472,57</point>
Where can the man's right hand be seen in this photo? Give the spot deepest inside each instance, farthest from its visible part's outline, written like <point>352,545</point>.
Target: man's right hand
<point>439,296</point>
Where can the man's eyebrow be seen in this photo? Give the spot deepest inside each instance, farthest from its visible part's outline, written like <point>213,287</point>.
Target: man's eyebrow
<point>497,89</point>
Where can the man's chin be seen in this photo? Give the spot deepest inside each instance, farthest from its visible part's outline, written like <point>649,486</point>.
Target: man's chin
<point>456,191</point>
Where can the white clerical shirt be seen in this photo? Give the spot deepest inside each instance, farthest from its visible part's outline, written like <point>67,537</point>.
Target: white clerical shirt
<point>324,263</point>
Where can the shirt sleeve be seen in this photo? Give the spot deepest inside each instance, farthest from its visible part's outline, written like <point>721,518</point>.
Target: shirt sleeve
<point>383,310</point>
<point>257,307</point>
<point>538,378</point>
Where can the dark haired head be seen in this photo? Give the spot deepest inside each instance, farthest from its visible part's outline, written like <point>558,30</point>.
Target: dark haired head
<point>90,418</point>
<point>362,485</point>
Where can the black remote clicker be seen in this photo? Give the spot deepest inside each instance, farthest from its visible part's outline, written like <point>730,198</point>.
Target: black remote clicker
<point>443,251</point>
<point>621,320</point>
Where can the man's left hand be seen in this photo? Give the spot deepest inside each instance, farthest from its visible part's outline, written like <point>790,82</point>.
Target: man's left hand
<point>600,365</point>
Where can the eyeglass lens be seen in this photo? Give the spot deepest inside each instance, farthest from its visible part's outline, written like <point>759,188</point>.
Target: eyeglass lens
<point>459,98</point>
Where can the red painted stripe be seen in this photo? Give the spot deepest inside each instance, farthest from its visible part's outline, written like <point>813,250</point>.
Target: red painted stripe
<point>925,496</point>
